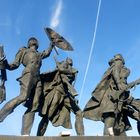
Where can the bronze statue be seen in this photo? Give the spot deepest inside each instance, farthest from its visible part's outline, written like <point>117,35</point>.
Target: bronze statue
<point>3,76</point>
<point>30,80</point>
<point>58,100</point>
<point>52,94</point>
<point>28,118</point>
<point>111,99</point>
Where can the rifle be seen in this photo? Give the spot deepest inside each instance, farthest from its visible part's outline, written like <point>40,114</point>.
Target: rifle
<point>3,75</point>
<point>117,94</point>
<point>133,84</point>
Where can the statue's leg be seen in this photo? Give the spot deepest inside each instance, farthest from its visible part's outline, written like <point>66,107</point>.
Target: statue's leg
<point>42,126</point>
<point>28,117</point>
<point>79,126</point>
<point>134,115</point>
<point>123,134</point>
<point>135,103</point>
<point>12,104</point>
<point>27,123</point>
<point>108,124</point>
<point>37,96</point>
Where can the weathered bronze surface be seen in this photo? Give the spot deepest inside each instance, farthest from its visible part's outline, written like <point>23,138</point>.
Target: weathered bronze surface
<point>57,101</point>
<point>52,94</point>
<point>111,101</point>
<point>30,79</point>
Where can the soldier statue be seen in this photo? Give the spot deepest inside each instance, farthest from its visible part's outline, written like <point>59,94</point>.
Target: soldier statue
<point>29,81</point>
<point>57,101</point>
<point>111,99</point>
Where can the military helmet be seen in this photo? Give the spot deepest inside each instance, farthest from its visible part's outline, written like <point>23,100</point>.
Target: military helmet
<point>32,41</point>
<point>111,61</point>
<point>119,57</point>
<point>69,61</point>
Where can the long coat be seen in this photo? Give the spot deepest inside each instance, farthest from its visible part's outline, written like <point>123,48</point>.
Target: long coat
<point>53,100</point>
<point>100,102</point>
<point>57,101</point>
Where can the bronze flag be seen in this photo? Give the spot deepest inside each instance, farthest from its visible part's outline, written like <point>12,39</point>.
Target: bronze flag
<point>58,40</point>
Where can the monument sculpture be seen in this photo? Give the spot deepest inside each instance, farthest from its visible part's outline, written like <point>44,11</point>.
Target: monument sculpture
<point>57,100</point>
<point>52,94</point>
<point>111,101</point>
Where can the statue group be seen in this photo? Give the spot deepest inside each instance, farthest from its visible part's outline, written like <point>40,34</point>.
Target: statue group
<point>52,94</point>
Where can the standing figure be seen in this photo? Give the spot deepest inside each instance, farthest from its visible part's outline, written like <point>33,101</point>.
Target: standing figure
<point>105,104</point>
<point>59,99</point>
<point>30,80</point>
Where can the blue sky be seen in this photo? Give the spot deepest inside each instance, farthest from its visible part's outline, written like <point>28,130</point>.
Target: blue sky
<point>118,31</point>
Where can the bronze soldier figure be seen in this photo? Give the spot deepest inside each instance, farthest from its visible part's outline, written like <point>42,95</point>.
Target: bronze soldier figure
<point>123,102</point>
<point>59,100</point>
<point>30,80</point>
<point>105,104</point>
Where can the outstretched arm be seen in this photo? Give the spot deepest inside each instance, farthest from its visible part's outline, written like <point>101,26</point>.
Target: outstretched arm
<point>47,52</point>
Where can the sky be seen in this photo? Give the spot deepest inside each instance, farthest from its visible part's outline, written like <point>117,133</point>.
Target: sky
<point>117,31</point>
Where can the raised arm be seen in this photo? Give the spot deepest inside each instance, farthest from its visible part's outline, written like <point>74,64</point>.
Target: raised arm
<point>47,52</point>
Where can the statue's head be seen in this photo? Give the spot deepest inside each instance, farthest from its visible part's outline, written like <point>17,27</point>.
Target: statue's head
<point>69,61</point>
<point>33,42</point>
<point>119,57</point>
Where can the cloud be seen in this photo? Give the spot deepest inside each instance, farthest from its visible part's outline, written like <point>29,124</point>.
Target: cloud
<point>18,24</point>
<point>55,20</point>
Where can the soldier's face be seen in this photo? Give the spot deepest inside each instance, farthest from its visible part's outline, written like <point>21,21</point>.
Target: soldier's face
<point>119,62</point>
<point>34,47</point>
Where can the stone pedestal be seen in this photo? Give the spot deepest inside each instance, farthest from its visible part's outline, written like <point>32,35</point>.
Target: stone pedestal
<point>2,137</point>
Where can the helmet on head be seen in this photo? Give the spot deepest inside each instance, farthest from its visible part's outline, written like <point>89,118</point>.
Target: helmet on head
<point>119,57</point>
<point>111,61</point>
<point>33,41</point>
<point>69,61</point>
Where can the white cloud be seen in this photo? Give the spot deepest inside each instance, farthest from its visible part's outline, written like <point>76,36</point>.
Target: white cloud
<point>55,20</point>
<point>18,24</point>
